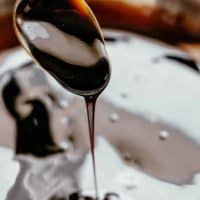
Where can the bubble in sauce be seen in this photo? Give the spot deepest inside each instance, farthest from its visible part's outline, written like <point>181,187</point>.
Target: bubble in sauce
<point>164,135</point>
<point>64,145</point>
<point>114,117</point>
<point>63,103</point>
<point>64,120</point>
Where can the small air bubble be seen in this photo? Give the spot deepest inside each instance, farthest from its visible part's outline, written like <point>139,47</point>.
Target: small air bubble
<point>64,120</point>
<point>63,103</point>
<point>164,135</point>
<point>64,145</point>
<point>114,117</point>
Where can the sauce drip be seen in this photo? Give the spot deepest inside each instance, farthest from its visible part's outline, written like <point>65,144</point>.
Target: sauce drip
<point>64,38</point>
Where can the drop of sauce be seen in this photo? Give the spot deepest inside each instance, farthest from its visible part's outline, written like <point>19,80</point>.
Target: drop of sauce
<point>111,196</point>
<point>63,103</point>
<point>164,135</point>
<point>64,145</point>
<point>114,117</point>
<point>64,120</point>
<point>64,38</point>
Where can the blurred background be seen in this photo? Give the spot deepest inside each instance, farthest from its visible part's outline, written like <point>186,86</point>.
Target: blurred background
<point>177,22</point>
<point>7,36</point>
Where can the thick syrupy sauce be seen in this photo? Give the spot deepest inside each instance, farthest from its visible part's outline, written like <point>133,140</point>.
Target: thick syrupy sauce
<point>64,37</point>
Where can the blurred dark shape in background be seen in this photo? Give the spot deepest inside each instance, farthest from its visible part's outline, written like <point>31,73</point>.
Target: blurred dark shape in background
<point>169,20</point>
<point>173,21</point>
<point>7,36</point>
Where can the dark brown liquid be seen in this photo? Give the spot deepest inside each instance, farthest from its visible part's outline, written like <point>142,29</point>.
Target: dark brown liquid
<point>91,104</point>
<point>64,38</point>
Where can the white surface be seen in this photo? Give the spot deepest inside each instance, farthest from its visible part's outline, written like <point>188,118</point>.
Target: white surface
<point>129,183</point>
<point>166,90</point>
<point>8,171</point>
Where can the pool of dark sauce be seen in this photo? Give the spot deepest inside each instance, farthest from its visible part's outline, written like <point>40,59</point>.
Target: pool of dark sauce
<point>64,38</point>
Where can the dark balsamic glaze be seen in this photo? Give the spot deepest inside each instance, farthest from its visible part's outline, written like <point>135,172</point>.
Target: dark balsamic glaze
<point>90,105</point>
<point>64,38</point>
<point>59,20</point>
<point>184,60</point>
